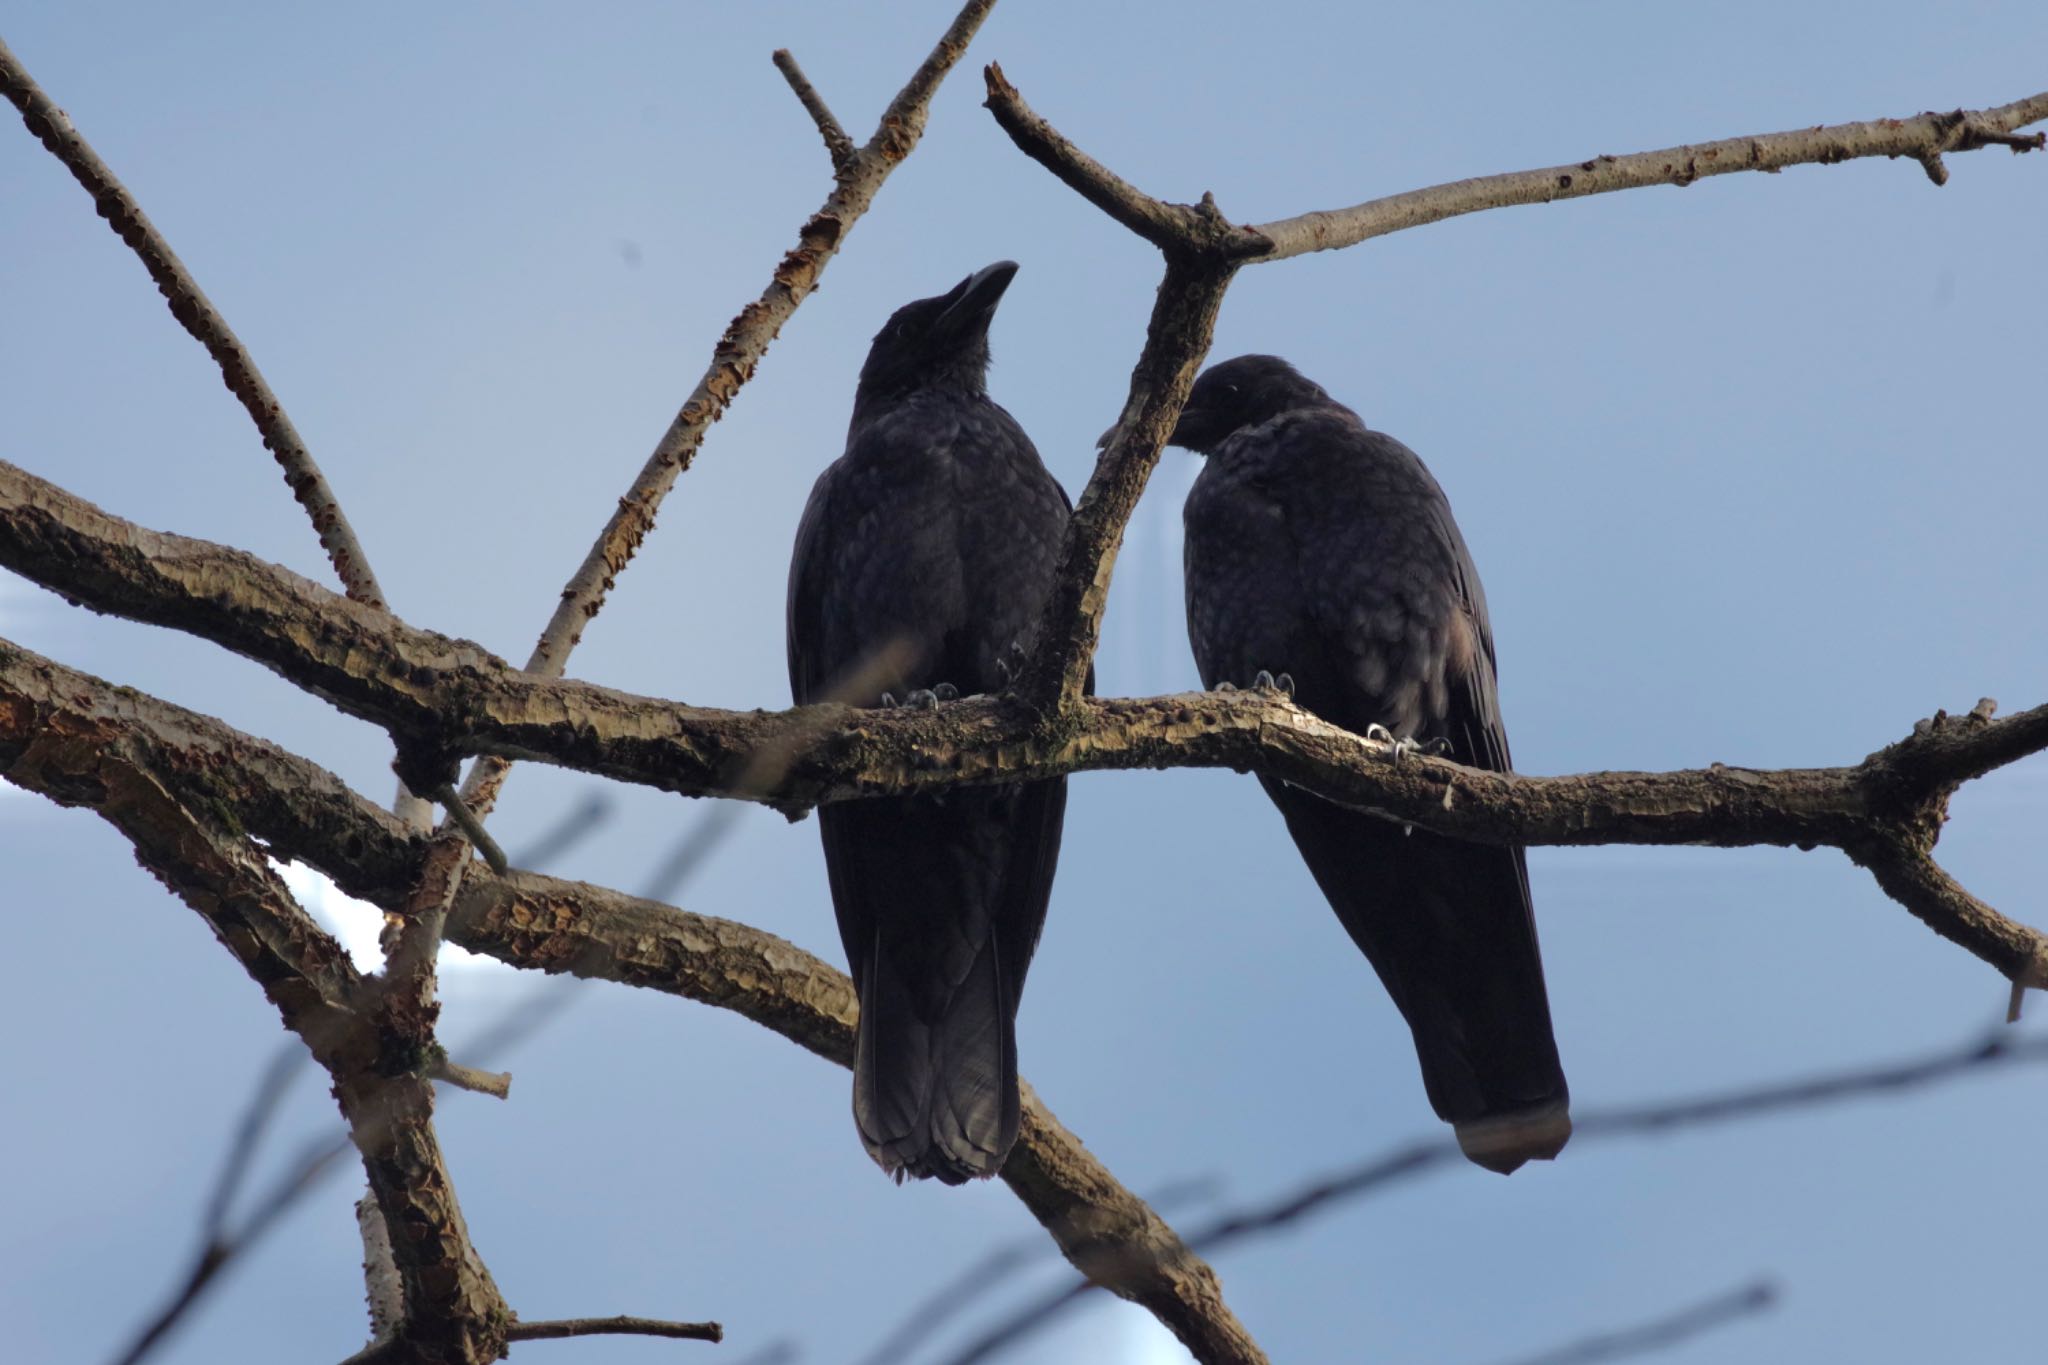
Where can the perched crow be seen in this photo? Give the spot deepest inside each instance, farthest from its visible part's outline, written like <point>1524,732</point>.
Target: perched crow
<point>921,565</point>
<point>1323,550</point>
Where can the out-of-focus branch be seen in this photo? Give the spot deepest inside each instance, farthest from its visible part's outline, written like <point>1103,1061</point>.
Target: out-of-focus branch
<point>1324,1194</point>
<point>190,306</point>
<point>1672,1329</point>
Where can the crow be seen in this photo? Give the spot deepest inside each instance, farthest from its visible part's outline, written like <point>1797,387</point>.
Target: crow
<point>1324,551</point>
<point>921,565</point>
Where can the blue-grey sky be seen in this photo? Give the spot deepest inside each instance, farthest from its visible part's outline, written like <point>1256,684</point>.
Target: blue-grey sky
<point>1752,470</point>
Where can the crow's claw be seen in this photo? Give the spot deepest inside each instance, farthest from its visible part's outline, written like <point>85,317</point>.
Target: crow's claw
<point>1225,686</point>
<point>1402,746</point>
<point>946,692</point>
<point>1266,682</point>
<point>1010,663</point>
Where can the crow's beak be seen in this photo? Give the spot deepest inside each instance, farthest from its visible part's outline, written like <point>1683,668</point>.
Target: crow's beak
<point>1193,430</point>
<point>972,302</point>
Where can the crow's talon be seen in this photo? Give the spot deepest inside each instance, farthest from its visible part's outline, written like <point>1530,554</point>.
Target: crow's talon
<point>1285,682</point>
<point>1402,746</point>
<point>1225,686</point>
<point>1262,681</point>
<point>889,699</point>
<point>946,692</point>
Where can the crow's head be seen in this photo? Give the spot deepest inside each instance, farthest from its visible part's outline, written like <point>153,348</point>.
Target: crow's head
<point>937,343</point>
<point>1241,393</point>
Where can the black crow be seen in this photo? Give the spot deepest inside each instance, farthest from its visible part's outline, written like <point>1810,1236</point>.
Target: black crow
<point>921,564</point>
<point>1323,550</point>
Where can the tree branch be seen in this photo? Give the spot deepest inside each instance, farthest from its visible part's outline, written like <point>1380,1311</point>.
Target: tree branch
<point>561,1329</point>
<point>556,926</point>
<point>837,144</point>
<point>1923,137</point>
<point>426,688</point>
<point>196,313</point>
<point>1177,227</point>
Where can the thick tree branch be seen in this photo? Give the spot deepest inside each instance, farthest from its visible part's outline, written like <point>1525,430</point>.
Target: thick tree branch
<point>455,695</point>
<point>1183,322</point>
<point>556,926</point>
<point>190,306</point>
<point>75,747</point>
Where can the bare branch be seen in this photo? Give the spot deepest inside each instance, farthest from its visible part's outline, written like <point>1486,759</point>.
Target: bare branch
<point>1170,227</point>
<point>745,341</point>
<point>1748,1301</point>
<point>427,688</point>
<point>837,144</point>
<point>1923,138</point>
<point>557,926</point>
<point>561,1329</point>
<point>190,306</point>
<point>1324,1194</point>
<point>1070,624</point>
<point>496,1084</point>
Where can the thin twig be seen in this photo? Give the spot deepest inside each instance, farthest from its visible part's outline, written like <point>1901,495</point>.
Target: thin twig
<point>497,1084</point>
<point>458,811</point>
<point>1922,138</point>
<point>190,306</point>
<point>561,1329</point>
<point>1722,1310</point>
<point>284,1065</point>
<point>733,361</point>
<point>217,1253</point>
<point>837,144</point>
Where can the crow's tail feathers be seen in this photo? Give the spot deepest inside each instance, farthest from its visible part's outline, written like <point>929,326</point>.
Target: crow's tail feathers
<point>1448,927</point>
<point>937,1096</point>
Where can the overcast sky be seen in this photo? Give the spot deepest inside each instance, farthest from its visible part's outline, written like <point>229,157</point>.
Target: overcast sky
<point>1753,471</point>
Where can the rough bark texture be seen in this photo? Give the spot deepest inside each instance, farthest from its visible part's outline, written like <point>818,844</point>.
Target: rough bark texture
<point>58,725</point>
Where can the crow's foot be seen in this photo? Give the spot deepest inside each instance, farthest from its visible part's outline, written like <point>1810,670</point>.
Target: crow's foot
<point>1010,664</point>
<point>924,698</point>
<point>1404,746</point>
